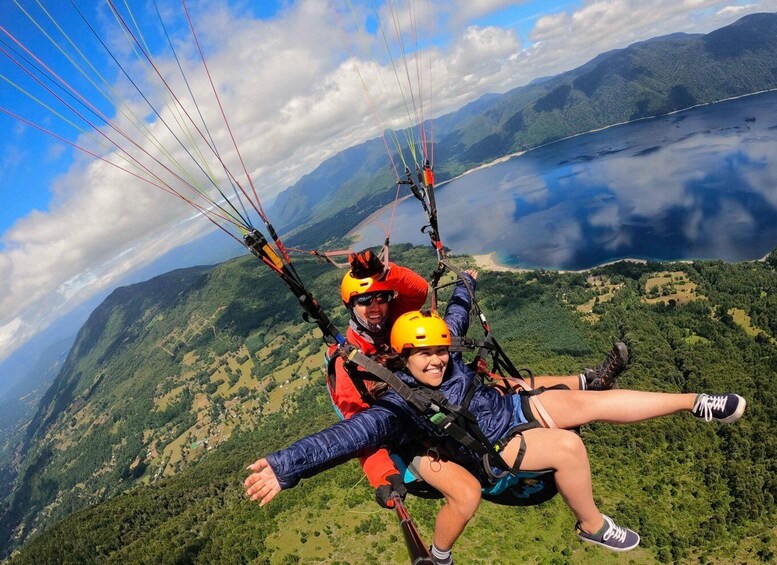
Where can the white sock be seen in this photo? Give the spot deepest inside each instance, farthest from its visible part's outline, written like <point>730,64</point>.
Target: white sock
<point>440,555</point>
<point>581,376</point>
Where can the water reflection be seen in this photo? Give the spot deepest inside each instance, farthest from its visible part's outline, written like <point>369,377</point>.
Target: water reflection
<point>694,185</point>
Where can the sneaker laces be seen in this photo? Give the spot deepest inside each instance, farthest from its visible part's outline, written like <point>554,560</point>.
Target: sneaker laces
<point>706,404</point>
<point>615,531</point>
<point>609,365</point>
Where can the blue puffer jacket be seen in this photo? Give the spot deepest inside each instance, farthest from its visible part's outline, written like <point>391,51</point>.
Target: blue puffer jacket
<point>391,421</point>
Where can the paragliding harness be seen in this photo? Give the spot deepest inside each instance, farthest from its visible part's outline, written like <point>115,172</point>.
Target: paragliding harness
<point>519,488</point>
<point>508,485</point>
<point>451,419</point>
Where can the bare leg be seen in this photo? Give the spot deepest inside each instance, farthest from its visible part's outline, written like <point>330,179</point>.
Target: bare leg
<point>565,452</point>
<point>572,382</point>
<point>462,497</point>
<point>570,409</point>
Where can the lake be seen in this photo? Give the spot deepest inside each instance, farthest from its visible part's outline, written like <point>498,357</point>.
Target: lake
<point>699,184</point>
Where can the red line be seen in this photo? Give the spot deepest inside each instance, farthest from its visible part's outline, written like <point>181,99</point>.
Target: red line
<point>108,122</point>
<point>181,106</point>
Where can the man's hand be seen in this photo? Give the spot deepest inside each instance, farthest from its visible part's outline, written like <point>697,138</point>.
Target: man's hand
<point>383,492</point>
<point>262,484</point>
<point>366,264</point>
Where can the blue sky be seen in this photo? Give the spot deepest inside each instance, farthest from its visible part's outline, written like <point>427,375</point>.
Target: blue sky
<point>71,227</point>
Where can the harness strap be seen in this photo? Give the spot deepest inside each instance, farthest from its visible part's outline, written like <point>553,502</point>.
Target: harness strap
<point>471,436</point>
<point>357,380</point>
<point>489,347</point>
<point>446,416</point>
<point>533,393</point>
<point>411,396</point>
<point>518,431</point>
<point>521,453</point>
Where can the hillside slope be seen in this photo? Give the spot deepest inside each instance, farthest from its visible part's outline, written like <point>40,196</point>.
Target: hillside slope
<point>159,374</point>
<point>695,491</point>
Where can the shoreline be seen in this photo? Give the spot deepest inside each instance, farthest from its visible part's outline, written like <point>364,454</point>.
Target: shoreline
<point>489,262</point>
<point>354,232</point>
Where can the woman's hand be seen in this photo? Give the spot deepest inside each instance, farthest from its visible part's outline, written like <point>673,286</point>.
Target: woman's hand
<point>262,484</point>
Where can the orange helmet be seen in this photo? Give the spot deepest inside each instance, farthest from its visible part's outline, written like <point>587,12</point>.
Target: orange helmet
<point>351,287</point>
<point>419,329</point>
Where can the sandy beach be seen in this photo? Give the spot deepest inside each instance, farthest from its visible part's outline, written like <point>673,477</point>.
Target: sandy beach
<point>489,262</point>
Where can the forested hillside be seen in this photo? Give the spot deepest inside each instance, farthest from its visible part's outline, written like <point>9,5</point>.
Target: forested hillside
<point>159,374</point>
<point>174,386</point>
<point>649,78</point>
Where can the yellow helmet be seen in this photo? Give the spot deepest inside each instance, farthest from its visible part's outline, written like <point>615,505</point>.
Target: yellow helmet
<point>419,329</point>
<point>351,287</point>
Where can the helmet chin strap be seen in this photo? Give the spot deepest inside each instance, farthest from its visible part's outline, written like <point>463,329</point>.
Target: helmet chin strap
<point>376,330</point>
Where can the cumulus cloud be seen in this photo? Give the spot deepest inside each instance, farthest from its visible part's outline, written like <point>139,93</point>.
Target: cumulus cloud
<point>293,99</point>
<point>460,13</point>
<point>567,39</point>
<point>8,332</point>
<point>482,52</point>
<point>735,10</point>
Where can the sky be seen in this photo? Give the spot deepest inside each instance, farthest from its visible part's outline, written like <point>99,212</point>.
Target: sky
<point>290,77</point>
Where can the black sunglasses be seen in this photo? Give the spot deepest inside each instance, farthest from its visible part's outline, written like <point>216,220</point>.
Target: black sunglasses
<point>379,297</point>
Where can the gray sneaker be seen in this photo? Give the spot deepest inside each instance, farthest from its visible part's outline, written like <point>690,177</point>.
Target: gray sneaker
<point>606,375</point>
<point>437,560</point>
<point>611,536</point>
<point>724,408</point>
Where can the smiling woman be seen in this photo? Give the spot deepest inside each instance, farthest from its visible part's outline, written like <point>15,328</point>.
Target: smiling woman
<point>474,434</point>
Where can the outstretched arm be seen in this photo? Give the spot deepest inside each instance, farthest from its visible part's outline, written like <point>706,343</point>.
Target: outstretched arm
<point>334,445</point>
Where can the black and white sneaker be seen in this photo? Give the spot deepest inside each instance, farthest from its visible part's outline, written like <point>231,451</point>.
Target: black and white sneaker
<point>606,375</point>
<point>611,536</point>
<point>724,408</point>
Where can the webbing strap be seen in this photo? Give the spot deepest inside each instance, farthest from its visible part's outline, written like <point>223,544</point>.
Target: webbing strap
<point>534,399</point>
<point>471,436</point>
<point>444,415</point>
<point>357,381</point>
<point>421,402</point>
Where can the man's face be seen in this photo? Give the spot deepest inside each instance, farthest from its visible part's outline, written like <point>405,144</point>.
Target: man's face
<point>372,309</point>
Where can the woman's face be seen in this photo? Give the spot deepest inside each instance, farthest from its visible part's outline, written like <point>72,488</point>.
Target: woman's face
<point>427,364</point>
